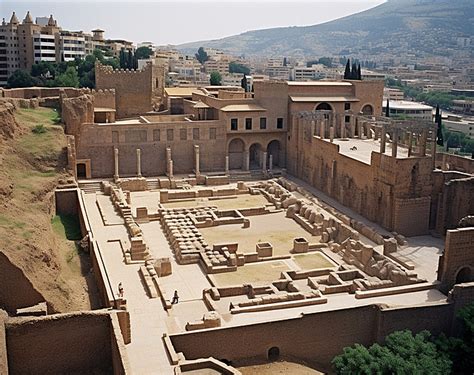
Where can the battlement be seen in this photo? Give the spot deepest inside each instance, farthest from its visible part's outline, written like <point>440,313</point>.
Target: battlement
<point>107,69</point>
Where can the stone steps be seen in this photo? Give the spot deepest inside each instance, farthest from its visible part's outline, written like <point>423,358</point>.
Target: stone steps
<point>90,187</point>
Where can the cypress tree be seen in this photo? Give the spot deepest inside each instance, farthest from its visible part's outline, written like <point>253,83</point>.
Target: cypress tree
<point>359,73</point>
<point>130,60</point>
<point>243,82</point>
<point>354,71</point>
<point>439,133</point>
<point>387,109</point>
<point>122,58</point>
<point>347,72</point>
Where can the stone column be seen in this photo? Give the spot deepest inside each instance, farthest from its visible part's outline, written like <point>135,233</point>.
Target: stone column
<point>116,164</point>
<point>139,163</point>
<point>246,160</point>
<point>227,164</point>
<point>424,142</point>
<point>322,129</point>
<point>270,163</point>
<point>170,168</point>
<point>353,125</point>
<point>433,151</point>
<point>331,134</point>
<point>343,128</point>
<point>395,143</point>
<point>168,159</point>
<point>313,128</point>
<point>383,139</point>
<point>264,162</point>
<point>410,143</point>
<point>196,161</point>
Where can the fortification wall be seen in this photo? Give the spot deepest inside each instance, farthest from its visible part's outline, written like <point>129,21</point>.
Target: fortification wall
<point>83,339</point>
<point>97,143</point>
<point>16,290</point>
<point>76,111</point>
<point>316,337</point>
<point>454,163</point>
<point>104,98</point>
<point>40,92</point>
<point>133,88</point>
<point>3,344</point>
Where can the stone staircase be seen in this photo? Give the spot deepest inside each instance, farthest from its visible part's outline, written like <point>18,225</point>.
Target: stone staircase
<point>153,183</point>
<point>246,175</point>
<point>90,187</point>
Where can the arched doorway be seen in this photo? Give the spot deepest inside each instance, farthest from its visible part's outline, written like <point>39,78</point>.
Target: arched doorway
<point>464,275</point>
<point>274,149</point>
<point>255,156</point>
<point>81,170</point>
<point>323,107</point>
<point>367,110</point>
<point>236,153</point>
<point>273,353</point>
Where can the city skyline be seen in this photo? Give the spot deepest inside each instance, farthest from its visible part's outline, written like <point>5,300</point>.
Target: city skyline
<point>159,28</point>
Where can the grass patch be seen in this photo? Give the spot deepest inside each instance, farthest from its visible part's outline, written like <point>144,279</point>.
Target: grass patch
<point>10,223</point>
<point>67,226</point>
<point>39,129</point>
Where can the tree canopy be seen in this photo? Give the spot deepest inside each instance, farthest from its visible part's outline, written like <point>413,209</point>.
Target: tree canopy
<point>235,67</point>
<point>216,79</point>
<point>201,55</point>
<point>402,353</point>
<point>20,78</point>
<point>143,53</point>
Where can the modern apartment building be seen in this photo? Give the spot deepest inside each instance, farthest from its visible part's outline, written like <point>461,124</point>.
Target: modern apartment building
<point>23,44</point>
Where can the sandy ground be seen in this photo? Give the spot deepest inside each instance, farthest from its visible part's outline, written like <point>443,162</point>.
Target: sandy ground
<point>274,228</point>
<point>230,203</point>
<point>283,367</point>
<point>312,261</point>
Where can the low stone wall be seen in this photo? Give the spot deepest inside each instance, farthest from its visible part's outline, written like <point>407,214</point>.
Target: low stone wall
<point>3,344</point>
<point>316,337</point>
<point>84,341</point>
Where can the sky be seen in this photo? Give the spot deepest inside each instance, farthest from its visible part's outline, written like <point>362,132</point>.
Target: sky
<point>182,21</point>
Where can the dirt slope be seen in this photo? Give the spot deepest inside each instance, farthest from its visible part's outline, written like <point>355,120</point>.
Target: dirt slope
<point>32,161</point>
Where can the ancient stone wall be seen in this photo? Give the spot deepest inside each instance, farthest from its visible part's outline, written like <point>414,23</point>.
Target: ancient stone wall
<point>16,290</point>
<point>75,111</point>
<point>314,337</point>
<point>135,90</point>
<point>97,144</point>
<point>456,265</point>
<point>84,341</point>
<point>3,344</point>
<point>104,98</point>
<point>40,92</point>
<point>452,162</point>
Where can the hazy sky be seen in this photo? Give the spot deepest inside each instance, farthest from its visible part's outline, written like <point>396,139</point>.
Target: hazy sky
<point>181,21</point>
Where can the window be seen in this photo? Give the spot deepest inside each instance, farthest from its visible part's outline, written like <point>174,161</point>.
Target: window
<point>212,133</point>
<point>156,135</point>
<point>347,118</point>
<point>279,123</point>
<point>196,133</point>
<point>183,134</point>
<point>169,135</point>
<point>263,122</point>
<point>234,123</point>
<point>347,106</point>
<point>248,124</point>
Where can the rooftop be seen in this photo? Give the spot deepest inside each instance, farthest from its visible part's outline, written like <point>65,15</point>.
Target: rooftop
<point>405,104</point>
<point>310,99</point>
<point>242,108</point>
<point>319,83</point>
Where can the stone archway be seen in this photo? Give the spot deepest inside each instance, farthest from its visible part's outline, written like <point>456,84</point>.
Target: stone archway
<point>274,149</point>
<point>236,153</point>
<point>464,275</point>
<point>367,110</point>
<point>323,107</point>
<point>255,156</point>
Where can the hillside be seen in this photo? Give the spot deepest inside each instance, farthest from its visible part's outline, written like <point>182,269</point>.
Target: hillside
<point>421,27</point>
<point>38,246</point>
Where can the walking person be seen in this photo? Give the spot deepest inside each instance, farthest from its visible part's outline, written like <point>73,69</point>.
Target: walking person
<point>120,290</point>
<point>175,298</point>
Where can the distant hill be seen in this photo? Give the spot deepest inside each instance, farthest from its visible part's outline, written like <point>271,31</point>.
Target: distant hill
<point>421,27</point>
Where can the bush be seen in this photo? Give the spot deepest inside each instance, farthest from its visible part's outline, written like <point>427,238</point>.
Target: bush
<point>39,129</point>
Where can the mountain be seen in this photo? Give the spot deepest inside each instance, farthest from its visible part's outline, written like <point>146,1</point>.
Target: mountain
<point>421,27</point>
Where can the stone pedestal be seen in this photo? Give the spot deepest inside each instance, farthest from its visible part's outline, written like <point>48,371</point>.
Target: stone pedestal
<point>300,245</point>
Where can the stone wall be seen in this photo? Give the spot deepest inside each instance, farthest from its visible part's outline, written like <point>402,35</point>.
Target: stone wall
<point>457,262</point>
<point>75,111</point>
<point>16,290</point>
<point>104,98</point>
<point>97,144</point>
<point>135,90</point>
<point>452,162</point>
<point>3,344</point>
<point>39,92</point>
<point>315,337</point>
<point>83,340</point>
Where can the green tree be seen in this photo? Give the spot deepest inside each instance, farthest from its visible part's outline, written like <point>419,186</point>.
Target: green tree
<point>326,61</point>
<point>20,78</point>
<point>69,78</point>
<point>216,79</point>
<point>142,53</point>
<point>201,55</point>
<point>402,353</point>
<point>235,67</point>
<point>347,71</point>
<point>44,70</point>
